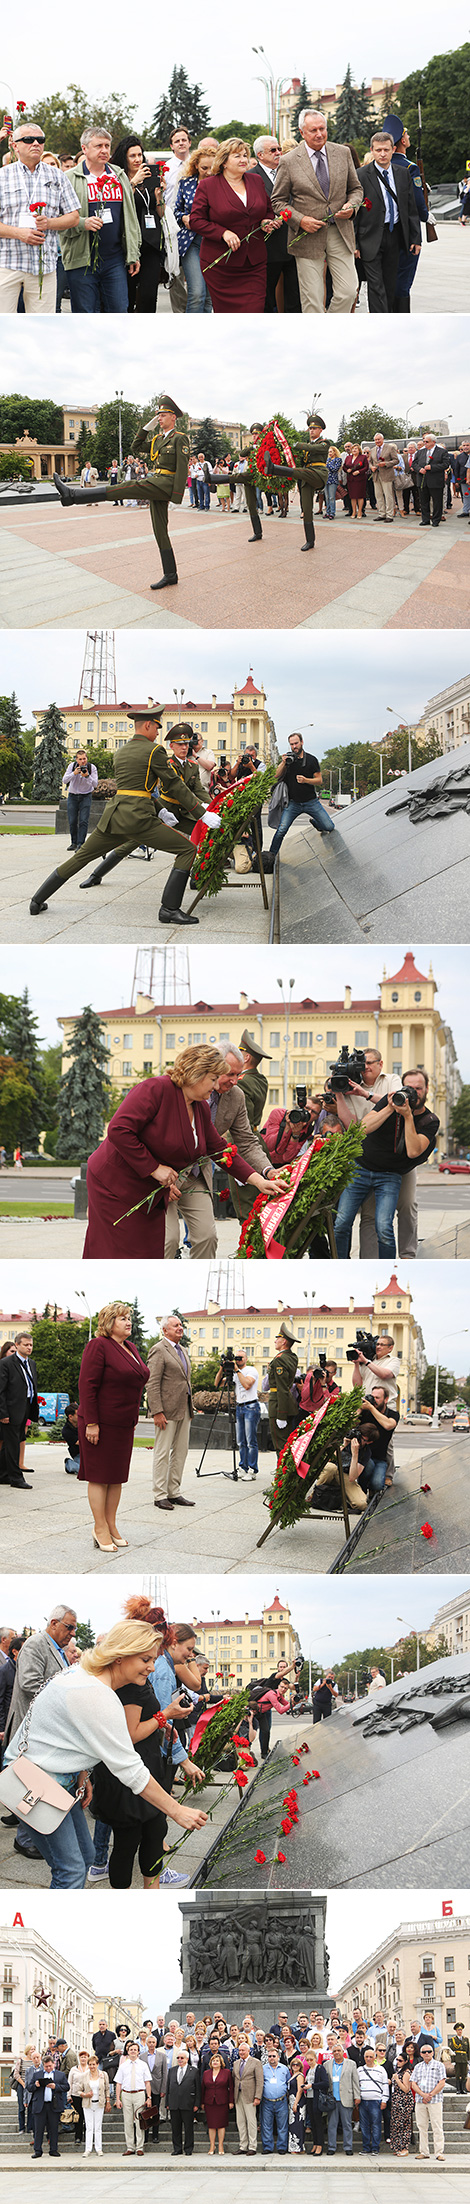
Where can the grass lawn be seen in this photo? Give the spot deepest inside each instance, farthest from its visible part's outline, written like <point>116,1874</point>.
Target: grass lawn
<point>36,1209</point>
<point>40,830</point>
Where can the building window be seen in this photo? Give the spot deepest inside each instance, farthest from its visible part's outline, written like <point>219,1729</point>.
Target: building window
<point>170,1040</point>
<point>148,1067</point>
<point>275,1066</point>
<point>417,995</point>
<point>104,726</point>
<point>331,1040</point>
<point>127,1071</point>
<point>127,1040</point>
<point>148,1040</point>
<point>397,1038</point>
<point>204,726</point>
<point>89,726</point>
<point>451,2014</point>
<point>450,1990</point>
<point>8,2017</point>
<point>221,726</point>
<point>243,726</point>
<point>361,1038</point>
<point>340,1331</point>
<point>395,996</point>
<point>274,1040</point>
<point>8,2043</point>
<point>221,745</point>
<point>448,1966</point>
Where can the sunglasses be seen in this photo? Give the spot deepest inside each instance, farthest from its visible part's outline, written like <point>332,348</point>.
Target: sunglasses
<point>31,141</point>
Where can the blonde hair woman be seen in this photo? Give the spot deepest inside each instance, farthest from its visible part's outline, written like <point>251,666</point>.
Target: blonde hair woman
<point>164,1125</point>
<point>111,1383</point>
<point>199,164</point>
<point>78,1720</point>
<point>96,2101</point>
<point>228,206</point>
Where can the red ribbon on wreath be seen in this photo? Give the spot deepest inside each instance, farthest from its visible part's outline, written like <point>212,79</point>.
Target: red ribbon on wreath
<point>273,445</point>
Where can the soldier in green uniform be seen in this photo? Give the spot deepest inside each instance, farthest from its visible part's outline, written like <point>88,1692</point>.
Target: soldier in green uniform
<point>174,777</point>
<point>310,472</point>
<point>283,1410</point>
<point>168,451</point>
<point>251,480</point>
<point>253,1084</point>
<point>132,817</point>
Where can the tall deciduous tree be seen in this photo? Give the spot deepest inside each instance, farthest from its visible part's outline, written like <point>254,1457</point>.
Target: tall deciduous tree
<point>50,758</point>
<point>104,445</point>
<point>17,1102</point>
<point>183,103</point>
<point>363,425</point>
<point>58,1349</point>
<point>40,416</point>
<point>64,115</point>
<point>443,88</point>
<point>461,1118</point>
<point>85,1089</point>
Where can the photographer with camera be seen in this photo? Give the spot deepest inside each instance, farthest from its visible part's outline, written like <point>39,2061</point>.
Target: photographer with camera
<point>318,1385</point>
<point>365,1455</point>
<point>244,1377</point>
<point>79,780</point>
<point>287,1132</point>
<point>400,1133</point>
<point>302,775</point>
<point>352,1104</point>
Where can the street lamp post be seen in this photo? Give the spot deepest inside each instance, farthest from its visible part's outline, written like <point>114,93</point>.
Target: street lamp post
<point>403,723</point>
<point>120,395</point>
<point>81,1296</point>
<point>287,1007</point>
<point>409,409</point>
<point>434,1425</point>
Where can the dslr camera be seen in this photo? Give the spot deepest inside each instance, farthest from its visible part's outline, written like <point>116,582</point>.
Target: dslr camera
<point>349,1065</point>
<point>300,1115</point>
<point>366,1345</point>
<point>406,1094</point>
<point>320,1367</point>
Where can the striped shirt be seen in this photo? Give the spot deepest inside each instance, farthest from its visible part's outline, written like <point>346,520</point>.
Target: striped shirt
<point>427,2074</point>
<point>373,2083</point>
<point>19,189</point>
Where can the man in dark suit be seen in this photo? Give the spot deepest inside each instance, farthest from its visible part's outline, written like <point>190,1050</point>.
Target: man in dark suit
<point>183,2097</point>
<point>50,2092</point>
<point>280,261</point>
<point>18,1406</point>
<point>387,222</point>
<point>430,467</point>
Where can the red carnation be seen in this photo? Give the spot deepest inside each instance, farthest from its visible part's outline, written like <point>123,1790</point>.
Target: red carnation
<point>260,1859</point>
<point>316,1774</point>
<point>286,1826</point>
<point>240,1779</point>
<point>286,214</point>
<point>295,1760</point>
<point>282,1858</point>
<point>367,203</point>
<point>426,1530</point>
<point>21,106</point>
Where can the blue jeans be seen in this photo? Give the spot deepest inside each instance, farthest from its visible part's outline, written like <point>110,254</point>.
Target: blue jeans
<point>78,813</point>
<point>373,1475</point>
<point>69,1852</point>
<point>274,2109</point>
<point>344,2114</point>
<point>203,497</point>
<point>72,1468</point>
<point>100,290</point>
<point>199,301</point>
<point>248,1415</point>
<point>370,2116</point>
<point>330,499</point>
<point>386,1187</point>
<point>313,810</point>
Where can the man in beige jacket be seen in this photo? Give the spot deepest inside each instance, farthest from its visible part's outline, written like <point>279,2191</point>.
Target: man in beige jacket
<point>230,1116</point>
<point>319,182</point>
<point>383,460</point>
<point>248,2090</point>
<point>170,1402</point>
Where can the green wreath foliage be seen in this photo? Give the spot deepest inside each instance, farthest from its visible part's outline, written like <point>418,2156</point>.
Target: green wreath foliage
<point>209,867</point>
<point>287,1497</point>
<point>220,1730</point>
<point>329,1170</point>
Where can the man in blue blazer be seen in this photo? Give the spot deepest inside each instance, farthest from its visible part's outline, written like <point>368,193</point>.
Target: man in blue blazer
<point>50,2092</point>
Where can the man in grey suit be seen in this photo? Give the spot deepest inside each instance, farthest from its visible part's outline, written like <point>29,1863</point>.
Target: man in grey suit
<point>40,1658</point>
<point>280,261</point>
<point>170,1402</point>
<point>319,182</point>
<point>230,1116</point>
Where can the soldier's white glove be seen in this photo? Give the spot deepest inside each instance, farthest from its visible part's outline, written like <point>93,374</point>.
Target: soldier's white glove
<point>211,819</point>
<point>169,817</point>
<point>281,1422</point>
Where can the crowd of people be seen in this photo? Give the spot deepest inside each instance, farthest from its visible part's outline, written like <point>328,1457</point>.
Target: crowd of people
<point>291,229</point>
<point>290,2087</point>
<point>117,1727</point>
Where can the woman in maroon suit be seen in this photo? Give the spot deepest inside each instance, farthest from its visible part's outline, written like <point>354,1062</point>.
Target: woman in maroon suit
<point>162,1126</point>
<point>227,204</point>
<point>111,1383</point>
<point>217,2097</point>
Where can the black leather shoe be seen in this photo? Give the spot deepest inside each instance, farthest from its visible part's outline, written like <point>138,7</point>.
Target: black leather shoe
<point>168,581</point>
<point>18,1484</point>
<point>168,1504</point>
<point>178,1502</point>
<point>176,918</point>
<point>30,1854</point>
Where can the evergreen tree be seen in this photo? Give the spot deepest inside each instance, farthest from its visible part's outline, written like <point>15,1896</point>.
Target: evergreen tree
<point>461,1117</point>
<point>182,104</point>
<point>85,1636</point>
<point>22,1045</point>
<point>58,1349</point>
<point>137,1333</point>
<point>12,755</point>
<point>210,441</point>
<point>50,757</point>
<point>85,1090</point>
<point>354,117</point>
<point>447,1386</point>
<point>302,100</point>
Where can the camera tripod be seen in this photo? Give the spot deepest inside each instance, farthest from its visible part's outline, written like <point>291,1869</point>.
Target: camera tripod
<point>229,1389</point>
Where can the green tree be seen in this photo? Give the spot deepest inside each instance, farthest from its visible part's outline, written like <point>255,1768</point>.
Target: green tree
<point>447,1386</point>
<point>51,1070</point>
<point>183,103</point>
<point>138,1333</point>
<point>303,99</point>
<point>50,758</point>
<point>343,757</point>
<point>85,1636</point>
<point>83,445</point>
<point>40,416</point>
<point>58,1349</point>
<point>461,1118</point>
<point>14,468</point>
<point>104,445</point>
<point>362,426</point>
<point>443,88</point>
<point>236,129</point>
<point>17,1102</point>
<point>12,751</point>
<point>354,117</point>
<point>203,1374</point>
<point>64,117</point>
<point>380,1656</point>
<point>84,1090</point>
<point>210,441</point>
<point>422,753</point>
<point>23,1047</point>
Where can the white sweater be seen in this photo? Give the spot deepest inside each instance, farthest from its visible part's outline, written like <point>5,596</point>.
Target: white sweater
<point>76,1720</point>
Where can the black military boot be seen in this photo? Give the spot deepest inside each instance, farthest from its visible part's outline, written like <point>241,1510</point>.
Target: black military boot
<point>49,887</point>
<point>70,496</point>
<point>309,532</point>
<point>257,530</point>
<point>173,892</point>
<point>107,865</point>
<point>170,572</point>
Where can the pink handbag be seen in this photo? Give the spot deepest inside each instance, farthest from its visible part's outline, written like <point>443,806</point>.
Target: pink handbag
<point>26,1790</point>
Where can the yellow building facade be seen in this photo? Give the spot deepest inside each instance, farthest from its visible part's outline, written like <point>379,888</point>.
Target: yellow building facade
<point>381,91</point>
<point>227,728</point>
<point>240,1651</point>
<point>116,2010</point>
<point>403,1021</point>
<point>452,1624</point>
<point>322,1330</point>
<point>423,1966</point>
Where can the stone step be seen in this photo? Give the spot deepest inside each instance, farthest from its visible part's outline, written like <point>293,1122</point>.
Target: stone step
<point>457,2139</point>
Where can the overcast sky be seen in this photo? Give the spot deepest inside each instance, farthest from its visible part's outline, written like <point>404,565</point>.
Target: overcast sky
<point>226,70</point>
<point>107,1934</point>
<point>30,1285</point>
<point>62,982</point>
<point>341,702</point>
<point>207,372</point>
<point>328,1612</point>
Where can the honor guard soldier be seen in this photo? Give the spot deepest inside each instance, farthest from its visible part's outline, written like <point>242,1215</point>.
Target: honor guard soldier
<point>174,779</point>
<point>131,817</point>
<point>310,472</point>
<point>250,480</point>
<point>283,1408</point>
<point>168,451</point>
<point>253,1084</point>
<point>407,262</point>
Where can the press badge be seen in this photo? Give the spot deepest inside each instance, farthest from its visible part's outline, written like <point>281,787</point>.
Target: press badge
<point>106,215</point>
<point>150,223</point>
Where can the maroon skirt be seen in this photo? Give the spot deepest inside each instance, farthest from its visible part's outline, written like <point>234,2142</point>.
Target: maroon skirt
<point>109,1462</point>
<point>236,294</point>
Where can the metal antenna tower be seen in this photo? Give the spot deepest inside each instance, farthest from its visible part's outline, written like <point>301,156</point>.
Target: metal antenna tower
<point>156,1589</point>
<point>163,975</point>
<point>226,1285</point>
<point>98,681</point>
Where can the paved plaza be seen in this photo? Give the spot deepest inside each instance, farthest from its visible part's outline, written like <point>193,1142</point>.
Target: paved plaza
<point>443,1216</point>
<point>441,285</point>
<point>271,2180</point>
<point>126,907</point>
<point>93,567</point>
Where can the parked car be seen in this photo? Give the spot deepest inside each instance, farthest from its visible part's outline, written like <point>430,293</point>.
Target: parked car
<point>455,1166</point>
<point>461,1421</point>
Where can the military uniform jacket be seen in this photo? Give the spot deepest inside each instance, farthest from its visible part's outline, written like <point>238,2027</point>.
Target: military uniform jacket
<point>254,1086</point>
<point>174,781</point>
<point>282,1401</point>
<point>168,457</point>
<point>138,770</point>
<point>310,459</point>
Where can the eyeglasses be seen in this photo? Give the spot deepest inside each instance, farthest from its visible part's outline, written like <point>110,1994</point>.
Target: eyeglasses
<point>31,141</point>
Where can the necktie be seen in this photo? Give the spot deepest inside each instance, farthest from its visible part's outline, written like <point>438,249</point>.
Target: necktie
<point>323,173</point>
<point>392,210</point>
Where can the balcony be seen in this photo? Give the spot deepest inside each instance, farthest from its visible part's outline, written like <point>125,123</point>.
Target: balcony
<point>427,1974</point>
